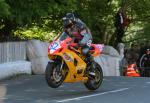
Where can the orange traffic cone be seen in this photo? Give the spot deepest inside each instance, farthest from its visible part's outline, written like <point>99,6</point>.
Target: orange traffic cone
<point>131,72</point>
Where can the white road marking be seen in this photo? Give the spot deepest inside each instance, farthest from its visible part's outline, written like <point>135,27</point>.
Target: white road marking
<point>3,98</point>
<point>148,82</point>
<point>145,86</point>
<point>93,95</point>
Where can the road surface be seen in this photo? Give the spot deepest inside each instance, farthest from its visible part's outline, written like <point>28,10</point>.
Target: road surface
<point>33,89</point>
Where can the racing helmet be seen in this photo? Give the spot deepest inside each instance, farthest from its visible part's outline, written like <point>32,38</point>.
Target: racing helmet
<point>69,20</point>
<point>148,51</point>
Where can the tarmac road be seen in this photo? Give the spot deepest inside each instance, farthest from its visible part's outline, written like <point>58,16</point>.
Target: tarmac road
<point>33,89</point>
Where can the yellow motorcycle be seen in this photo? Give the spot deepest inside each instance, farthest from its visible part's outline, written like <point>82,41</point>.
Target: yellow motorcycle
<point>67,64</point>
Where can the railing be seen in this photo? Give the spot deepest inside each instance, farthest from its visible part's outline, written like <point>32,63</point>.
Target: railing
<point>12,51</point>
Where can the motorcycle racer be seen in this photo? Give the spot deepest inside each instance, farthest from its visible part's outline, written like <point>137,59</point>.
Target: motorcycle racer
<point>80,33</point>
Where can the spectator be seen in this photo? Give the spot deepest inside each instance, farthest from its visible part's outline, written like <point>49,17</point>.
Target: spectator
<point>132,54</point>
<point>143,48</point>
<point>121,21</point>
<point>145,63</point>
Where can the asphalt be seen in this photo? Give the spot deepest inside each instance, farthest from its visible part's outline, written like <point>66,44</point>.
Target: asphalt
<point>33,89</point>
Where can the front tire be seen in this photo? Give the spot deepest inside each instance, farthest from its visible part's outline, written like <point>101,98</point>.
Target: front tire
<point>54,78</point>
<point>94,83</point>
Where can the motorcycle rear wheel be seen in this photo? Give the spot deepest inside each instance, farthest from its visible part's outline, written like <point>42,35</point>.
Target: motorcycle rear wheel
<point>54,78</point>
<point>94,83</point>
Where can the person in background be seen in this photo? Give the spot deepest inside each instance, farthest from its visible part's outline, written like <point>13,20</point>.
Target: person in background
<point>121,21</point>
<point>145,63</point>
<point>132,54</point>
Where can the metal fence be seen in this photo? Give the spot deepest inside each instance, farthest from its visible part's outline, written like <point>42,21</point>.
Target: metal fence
<point>12,51</point>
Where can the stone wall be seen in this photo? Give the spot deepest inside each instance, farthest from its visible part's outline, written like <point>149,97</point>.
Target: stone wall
<point>14,68</point>
<point>13,57</point>
<point>12,51</point>
<point>109,64</point>
<point>37,54</point>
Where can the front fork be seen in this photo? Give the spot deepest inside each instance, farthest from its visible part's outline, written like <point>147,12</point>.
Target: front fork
<point>62,63</point>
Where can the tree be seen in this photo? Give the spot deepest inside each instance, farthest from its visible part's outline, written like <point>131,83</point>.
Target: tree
<point>43,16</point>
<point>25,13</point>
<point>98,15</point>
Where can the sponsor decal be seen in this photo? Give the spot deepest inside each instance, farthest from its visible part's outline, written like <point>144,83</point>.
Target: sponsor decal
<point>67,57</point>
<point>100,46</point>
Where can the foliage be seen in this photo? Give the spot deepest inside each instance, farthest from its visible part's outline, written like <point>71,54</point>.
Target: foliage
<point>29,19</point>
<point>98,15</point>
<point>139,12</point>
<point>34,33</point>
<point>27,13</point>
<point>4,9</point>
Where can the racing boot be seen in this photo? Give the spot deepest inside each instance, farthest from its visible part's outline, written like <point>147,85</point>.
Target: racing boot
<point>90,64</point>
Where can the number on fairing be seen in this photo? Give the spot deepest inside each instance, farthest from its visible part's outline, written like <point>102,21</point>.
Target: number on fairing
<point>100,46</point>
<point>89,43</point>
<point>54,46</point>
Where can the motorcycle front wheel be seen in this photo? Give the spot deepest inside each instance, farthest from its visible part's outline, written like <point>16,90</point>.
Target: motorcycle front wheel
<point>54,77</point>
<point>95,82</point>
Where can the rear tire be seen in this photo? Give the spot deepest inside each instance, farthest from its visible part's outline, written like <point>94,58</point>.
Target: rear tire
<point>53,79</point>
<point>93,84</point>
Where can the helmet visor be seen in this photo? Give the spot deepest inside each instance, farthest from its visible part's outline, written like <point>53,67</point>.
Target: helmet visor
<point>68,23</point>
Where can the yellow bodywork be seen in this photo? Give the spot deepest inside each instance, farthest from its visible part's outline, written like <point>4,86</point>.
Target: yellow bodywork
<point>72,75</point>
